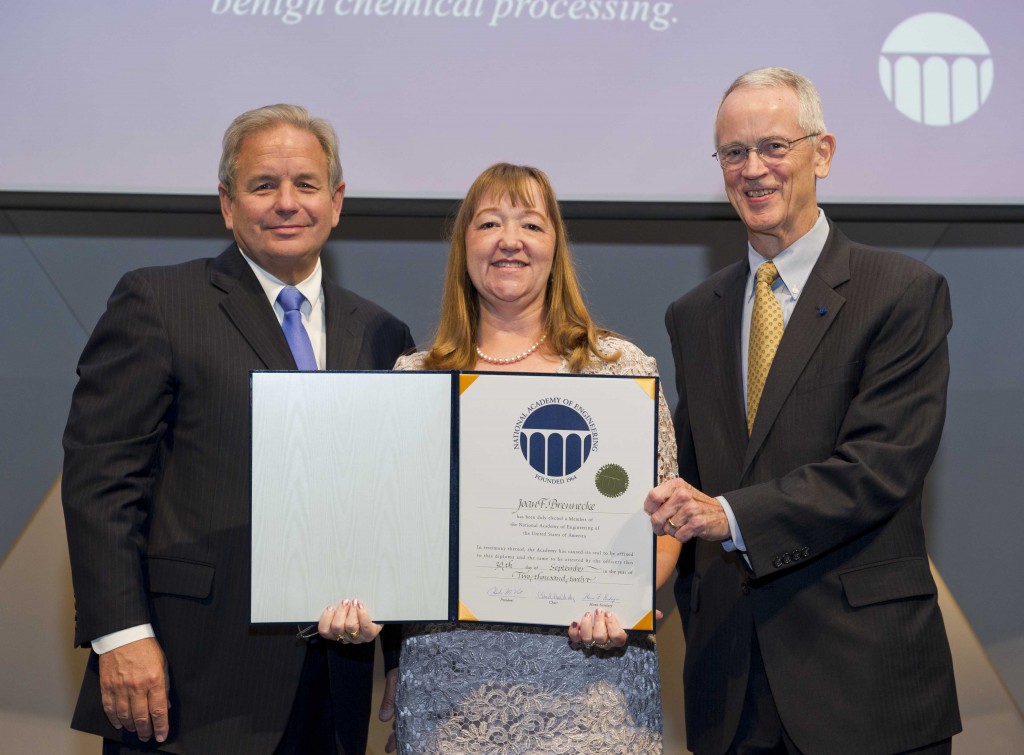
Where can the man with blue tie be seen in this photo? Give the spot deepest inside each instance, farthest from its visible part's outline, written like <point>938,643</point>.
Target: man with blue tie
<point>812,382</point>
<point>157,468</point>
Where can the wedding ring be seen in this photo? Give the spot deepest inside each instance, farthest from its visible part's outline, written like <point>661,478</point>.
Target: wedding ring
<point>604,645</point>
<point>674,525</point>
<point>353,635</point>
<point>338,637</point>
<point>588,645</point>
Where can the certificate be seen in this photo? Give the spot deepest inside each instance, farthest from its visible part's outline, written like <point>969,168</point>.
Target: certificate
<point>436,496</point>
<point>553,471</point>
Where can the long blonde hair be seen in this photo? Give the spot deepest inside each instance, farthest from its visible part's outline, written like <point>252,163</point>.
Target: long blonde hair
<point>570,331</point>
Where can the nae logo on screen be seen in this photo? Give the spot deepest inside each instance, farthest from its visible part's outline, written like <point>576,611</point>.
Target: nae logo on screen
<point>556,437</point>
<point>936,69</point>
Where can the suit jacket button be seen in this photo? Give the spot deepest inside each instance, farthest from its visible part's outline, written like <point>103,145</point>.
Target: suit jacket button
<point>745,588</point>
<point>777,562</point>
<point>787,559</point>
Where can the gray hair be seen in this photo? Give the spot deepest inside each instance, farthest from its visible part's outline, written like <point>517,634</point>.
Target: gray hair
<point>810,116</point>
<point>267,117</point>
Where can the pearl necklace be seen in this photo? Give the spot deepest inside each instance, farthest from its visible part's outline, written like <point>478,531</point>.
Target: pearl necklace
<point>511,360</point>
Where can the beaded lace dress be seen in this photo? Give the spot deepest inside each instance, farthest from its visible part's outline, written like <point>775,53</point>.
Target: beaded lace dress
<point>495,689</point>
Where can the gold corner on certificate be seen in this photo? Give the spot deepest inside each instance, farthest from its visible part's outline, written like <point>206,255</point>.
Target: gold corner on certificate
<point>553,471</point>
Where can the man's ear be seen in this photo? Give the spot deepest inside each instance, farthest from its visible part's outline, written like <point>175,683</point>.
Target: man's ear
<point>824,149</point>
<point>336,200</point>
<point>225,205</point>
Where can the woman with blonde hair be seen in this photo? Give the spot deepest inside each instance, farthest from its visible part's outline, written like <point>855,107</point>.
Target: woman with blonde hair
<point>511,302</point>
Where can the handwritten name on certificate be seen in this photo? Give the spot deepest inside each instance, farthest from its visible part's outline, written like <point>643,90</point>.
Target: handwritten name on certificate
<point>553,470</point>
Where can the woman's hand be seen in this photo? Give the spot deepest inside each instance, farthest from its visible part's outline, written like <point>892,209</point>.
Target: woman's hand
<point>348,622</point>
<point>599,629</point>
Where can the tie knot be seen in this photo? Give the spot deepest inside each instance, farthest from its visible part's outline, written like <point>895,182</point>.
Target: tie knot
<point>291,298</point>
<point>766,273</point>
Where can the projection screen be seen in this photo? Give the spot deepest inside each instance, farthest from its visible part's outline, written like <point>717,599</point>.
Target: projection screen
<point>615,99</point>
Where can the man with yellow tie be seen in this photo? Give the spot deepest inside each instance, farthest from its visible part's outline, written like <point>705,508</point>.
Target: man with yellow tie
<point>812,391</point>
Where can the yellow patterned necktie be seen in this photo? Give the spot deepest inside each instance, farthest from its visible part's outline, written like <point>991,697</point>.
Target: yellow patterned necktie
<point>766,326</point>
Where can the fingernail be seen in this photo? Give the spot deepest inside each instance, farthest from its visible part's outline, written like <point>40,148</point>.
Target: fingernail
<point>345,602</point>
<point>357,604</point>
<point>329,608</point>
<point>574,625</point>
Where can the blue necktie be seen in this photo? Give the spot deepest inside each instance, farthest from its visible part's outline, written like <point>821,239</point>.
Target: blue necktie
<point>290,300</point>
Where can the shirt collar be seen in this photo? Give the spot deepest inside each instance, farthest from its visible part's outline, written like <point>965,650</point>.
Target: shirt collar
<point>272,286</point>
<point>795,262</point>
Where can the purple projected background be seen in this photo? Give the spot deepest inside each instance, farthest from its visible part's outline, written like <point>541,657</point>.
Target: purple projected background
<point>132,96</point>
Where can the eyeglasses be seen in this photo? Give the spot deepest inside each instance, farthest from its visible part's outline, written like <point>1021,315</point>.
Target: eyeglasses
<point>771,149</point>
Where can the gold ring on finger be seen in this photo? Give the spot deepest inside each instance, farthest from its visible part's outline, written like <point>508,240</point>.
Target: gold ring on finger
<point>674,525</point>
<point>353,635</point>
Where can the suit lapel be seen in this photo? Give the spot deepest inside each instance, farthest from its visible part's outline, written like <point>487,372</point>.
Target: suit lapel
<point>344,334</point>
<point>724,363</point>
<point>813,315</point>
<point>245,304</point>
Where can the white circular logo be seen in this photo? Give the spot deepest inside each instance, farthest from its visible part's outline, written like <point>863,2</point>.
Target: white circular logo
<point>936,69</point>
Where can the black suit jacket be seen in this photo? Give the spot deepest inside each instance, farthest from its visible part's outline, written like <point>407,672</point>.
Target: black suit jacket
<point>156,493</point>
<point>827,495</point>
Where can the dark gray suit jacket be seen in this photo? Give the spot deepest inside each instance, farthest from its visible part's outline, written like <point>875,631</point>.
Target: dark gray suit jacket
<point>156,493</point>
<point>827,493</point>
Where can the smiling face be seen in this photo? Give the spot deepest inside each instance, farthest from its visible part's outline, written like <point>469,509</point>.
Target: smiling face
<point>509,251</point>
<point>282,208</point>
<point>775,200</point>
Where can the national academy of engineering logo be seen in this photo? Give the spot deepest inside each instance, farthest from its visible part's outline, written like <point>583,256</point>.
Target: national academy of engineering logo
<point>936,69</point>
<point>556,439</point>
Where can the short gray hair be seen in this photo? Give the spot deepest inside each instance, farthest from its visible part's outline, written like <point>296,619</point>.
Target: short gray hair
<point>269,116</point>
<point>811,117</point>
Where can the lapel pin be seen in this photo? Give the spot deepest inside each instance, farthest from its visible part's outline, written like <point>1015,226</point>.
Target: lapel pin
<point>822,311</point>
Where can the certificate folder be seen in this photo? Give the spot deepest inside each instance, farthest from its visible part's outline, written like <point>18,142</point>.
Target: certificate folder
<point>442,496</point>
